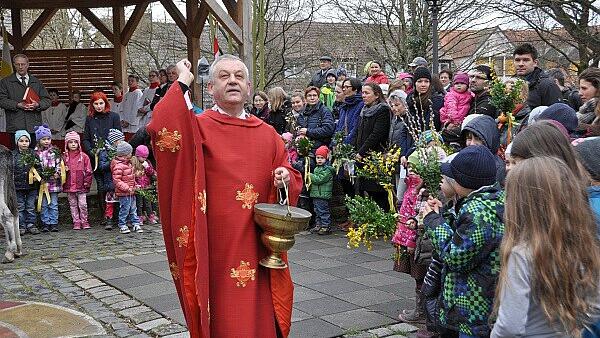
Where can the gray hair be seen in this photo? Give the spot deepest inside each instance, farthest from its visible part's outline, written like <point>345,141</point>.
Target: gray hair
<point>20,56</point>
<point>169,67</point>
<point>211,70</point>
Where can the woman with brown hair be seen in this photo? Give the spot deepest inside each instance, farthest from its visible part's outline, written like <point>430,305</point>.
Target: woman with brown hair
<point>260,105</point>
<point>589,113</point>
<point>280,107</point>
<point>550,256</point>
<point>425,102</point>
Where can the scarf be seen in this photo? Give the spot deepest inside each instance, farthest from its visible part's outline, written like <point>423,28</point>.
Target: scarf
<point>55,103</point>
<point>372,110</point>
<point>118,99</point>
<point>132,89</point>
<point>154,85</point>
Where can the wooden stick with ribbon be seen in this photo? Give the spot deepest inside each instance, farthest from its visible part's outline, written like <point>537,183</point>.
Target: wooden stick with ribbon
<point>307,179</point>
<point>34,176</point>
<point>63,172</point>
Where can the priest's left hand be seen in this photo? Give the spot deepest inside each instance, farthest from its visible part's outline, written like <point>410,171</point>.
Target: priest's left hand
<point>281,175</point>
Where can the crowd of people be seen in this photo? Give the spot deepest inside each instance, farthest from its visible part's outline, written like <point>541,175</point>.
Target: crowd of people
<point>519,207</point>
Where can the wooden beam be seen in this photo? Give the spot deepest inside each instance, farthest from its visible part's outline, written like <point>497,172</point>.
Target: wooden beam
<point>11,39</point>
<point>175,14</point>
<point>120,53</point>
<point>97,23</point>
<point>64,4</point>
<point>245,11</point>
<point>193,45</point>
<point>200,20</point>
<point>231,6</point>
<point>225,19</point>
<point>134,21</point>
<point>16,16</point>
<point>37,26</point>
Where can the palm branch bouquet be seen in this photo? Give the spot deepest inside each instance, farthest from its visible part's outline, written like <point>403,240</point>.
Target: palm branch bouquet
<point>505,98</point>
<point>371,222</point>
<point>304,147</point>
<point>342,153</point>
<point>381,167</point>
<point>148,193</point>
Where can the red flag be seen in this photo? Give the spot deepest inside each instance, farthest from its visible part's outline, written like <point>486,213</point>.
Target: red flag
<point>216,49</point>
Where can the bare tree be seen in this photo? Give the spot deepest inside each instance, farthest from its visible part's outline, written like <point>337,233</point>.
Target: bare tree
<point>570,28</point>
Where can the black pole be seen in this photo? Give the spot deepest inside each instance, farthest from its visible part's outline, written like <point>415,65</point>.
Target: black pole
<point>202,91</point>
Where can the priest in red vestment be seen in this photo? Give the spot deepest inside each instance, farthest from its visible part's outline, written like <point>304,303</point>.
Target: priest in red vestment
<point>212,169</point>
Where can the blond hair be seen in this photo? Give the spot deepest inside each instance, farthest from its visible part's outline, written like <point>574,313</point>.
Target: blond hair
<point>548,212</point>
<point>138,167</point>
<point>277,97</point>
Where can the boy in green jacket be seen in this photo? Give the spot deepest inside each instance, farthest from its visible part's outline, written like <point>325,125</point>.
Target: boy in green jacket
<point>320,191</point>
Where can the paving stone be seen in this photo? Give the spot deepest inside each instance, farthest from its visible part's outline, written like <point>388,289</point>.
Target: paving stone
<point>119,326</point>
<point>99,265</point>
<point>168,329</point>
<point>314,327</point>
<point>135,281</point>
<point>163,303</point>
<point>124,304</point>
<point>175,315</point>
<point>179,335</point>
<point>134,310</point>
<point>380,266</point>
<point>301,294</point>
<point>162,265</point>
<point>115,299</point>
<point>312,277</point>
<point>80,277</point>
<point>330,252</point>
<point>381,332</point>
<point>147,326</point>
<point>119,272</point>
<point>374,280</point>
<point>100,289</point>
<point>153,290</point>
<point>89,283</point>
<point>141,259</point>
<point>358,319</point>
<point>403,327</point>
<point>298,315</point>
<point>107,293</point>
<point>367,297</point>
<point>360,335</point>
<point>144,317</point>
<point>324,306</point>
<point>337,287</point>
<point>320,263</point>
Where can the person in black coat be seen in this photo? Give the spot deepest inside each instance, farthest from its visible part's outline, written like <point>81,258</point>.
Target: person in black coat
<point>479,82</point>
<point>280,108</point>
<point>424,101</point>
<point>316,121</point>
<point>320,77</point>
<point>372,135</point>
<point>543,91</point>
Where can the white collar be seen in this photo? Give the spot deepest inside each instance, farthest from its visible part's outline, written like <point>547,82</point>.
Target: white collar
<point>26,77</point>
<point>243,115</point>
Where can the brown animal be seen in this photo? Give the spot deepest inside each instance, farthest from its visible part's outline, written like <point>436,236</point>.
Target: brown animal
<point>9,214</point>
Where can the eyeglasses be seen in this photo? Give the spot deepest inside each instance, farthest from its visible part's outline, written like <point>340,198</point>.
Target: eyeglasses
<point>477,77</point>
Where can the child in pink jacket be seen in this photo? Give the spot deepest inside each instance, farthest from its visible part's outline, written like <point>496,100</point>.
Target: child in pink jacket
<point>456,102</point>
<point>79,180</point>
<point>144,174</point>
<point>124,181</point>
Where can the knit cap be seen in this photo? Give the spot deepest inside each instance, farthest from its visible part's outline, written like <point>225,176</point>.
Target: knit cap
<point>341,71</point>
<point>287,136</point>
<point>21,133</point>
<point>589,154</point>
<point>322,151</point>
<point>403,76</point>
<point>142,151</point>
<point>461,78</point>
<point>124,149</point>
<point>71,136</point>
<point>115,135</point>
<point>428,136</point>
<point>42,131</point>
<point>562,113</point>
<point>400,95</point>
<point>422,73</point>
<point>473,167</point>
<point>534,115</point>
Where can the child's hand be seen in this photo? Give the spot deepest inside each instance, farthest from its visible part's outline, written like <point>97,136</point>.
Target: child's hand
<point>433,204</point>
<point>410,250</point>
<point>145,164</point>
<point>66,168</point>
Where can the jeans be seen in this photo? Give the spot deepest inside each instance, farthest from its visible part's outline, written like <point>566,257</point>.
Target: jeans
<point>323,217</point>
<point>78,205</point>
<point>49,213</point>
<point>26,206</point>
<point>127,211</point>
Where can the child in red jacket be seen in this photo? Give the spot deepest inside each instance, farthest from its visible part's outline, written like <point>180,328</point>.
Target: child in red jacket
<point>79,180</point>
<point>124,180</point>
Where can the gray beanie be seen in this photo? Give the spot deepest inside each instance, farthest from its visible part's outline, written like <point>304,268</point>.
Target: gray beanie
<point>124,148</point>
<point>589,154</point>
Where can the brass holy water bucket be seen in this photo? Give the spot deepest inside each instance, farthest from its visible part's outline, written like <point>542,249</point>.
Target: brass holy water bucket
<point>279,223</point>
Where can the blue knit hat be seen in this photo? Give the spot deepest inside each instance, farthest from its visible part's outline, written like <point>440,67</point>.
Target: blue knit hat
<point>115,135</point>
<point>42,131</point>
<point>124,149</point>
<point>474,167</point>
<point>561,113</point>
<point>21,133</point>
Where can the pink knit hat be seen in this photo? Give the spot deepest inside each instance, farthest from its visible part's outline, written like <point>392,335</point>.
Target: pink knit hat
<point>142,151</point>
<point>71,136</point>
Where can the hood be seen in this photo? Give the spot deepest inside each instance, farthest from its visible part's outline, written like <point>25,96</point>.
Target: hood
<point>485,128</point>
<point>331,71</point>
<point>534,77</point>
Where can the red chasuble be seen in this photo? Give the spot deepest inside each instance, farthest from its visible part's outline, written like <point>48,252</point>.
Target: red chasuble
<point>212,169</point>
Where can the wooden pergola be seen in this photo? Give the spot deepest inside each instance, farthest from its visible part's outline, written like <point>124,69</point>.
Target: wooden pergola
<point>235,18</point>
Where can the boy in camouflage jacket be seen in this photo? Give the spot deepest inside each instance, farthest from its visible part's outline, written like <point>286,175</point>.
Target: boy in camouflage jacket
<point>469,247</point>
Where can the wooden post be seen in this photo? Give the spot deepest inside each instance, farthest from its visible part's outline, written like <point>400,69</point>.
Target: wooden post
<point>246,45</point>
<point>120,53</point>
<point>16,16</point>
<point>193,45</point>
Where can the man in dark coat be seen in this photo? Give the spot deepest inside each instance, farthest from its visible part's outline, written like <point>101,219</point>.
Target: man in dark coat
<point>542,89</point>
<point>479,81</point>
<point>570,96</point>
<point>21,115</point>
<point>320,77</point>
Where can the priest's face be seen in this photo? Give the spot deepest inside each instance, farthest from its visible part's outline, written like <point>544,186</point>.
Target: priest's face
<point>229,84</point>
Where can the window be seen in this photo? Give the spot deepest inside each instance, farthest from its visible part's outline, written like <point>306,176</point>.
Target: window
<point>350,64</point>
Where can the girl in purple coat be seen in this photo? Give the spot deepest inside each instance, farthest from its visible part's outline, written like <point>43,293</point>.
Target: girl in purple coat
<point>50,173</point>
<point>79,180</point>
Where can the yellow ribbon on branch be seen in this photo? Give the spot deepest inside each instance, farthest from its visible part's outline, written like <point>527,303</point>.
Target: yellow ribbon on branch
<point>95,161</point>
<point>389,188</point>
<point>307,179</point>
<point>34,175</point>
<point>43,192</point>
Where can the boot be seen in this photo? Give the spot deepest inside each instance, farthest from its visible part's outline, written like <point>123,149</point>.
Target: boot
<point>109,224</point>
<point>76,226</point>
<point>416,315</point>
<point>152,219</point>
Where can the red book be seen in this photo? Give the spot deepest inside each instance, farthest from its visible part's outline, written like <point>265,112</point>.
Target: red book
<point>30,96</point>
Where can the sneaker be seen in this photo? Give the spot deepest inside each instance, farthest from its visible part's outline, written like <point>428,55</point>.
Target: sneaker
<point>124,230</point>
<point>86,225</point>
<point>22,231</point>
<point>138,228</point>
<point>152,219</point>
<point>324,231</point>
<point>142,219</point>
<point>32,229</point>
<point>45,228</point>
<point>77,226</point>
<point>315,229</point>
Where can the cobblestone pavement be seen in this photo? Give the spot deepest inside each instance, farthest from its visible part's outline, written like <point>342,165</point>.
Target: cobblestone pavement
<point>123,282</point>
